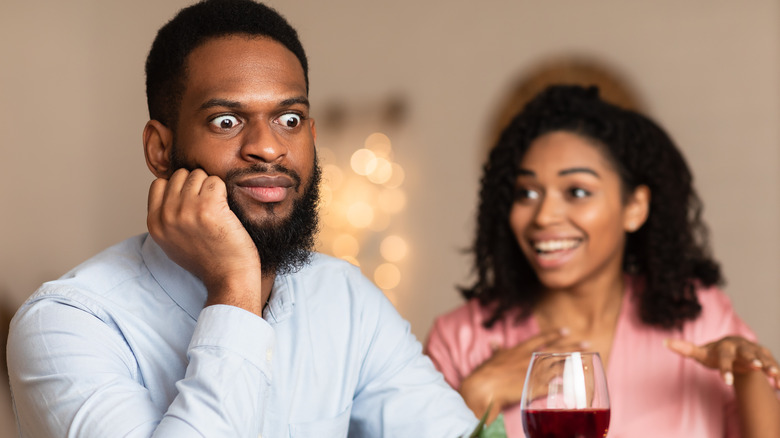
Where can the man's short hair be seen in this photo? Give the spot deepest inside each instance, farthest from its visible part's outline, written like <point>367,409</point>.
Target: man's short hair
<point>193,26</point>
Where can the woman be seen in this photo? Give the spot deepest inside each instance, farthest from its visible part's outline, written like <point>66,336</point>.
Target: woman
<point>589,237</point>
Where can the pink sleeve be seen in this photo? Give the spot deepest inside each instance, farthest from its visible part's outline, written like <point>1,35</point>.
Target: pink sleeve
<point>441,352</point>
<point>718,321</point>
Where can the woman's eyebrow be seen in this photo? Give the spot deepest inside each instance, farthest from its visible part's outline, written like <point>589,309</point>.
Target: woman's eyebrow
<point>579,170</point>
<point>526,172</point>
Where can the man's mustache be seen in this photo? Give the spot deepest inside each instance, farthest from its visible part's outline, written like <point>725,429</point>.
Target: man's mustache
<point>262,169</point>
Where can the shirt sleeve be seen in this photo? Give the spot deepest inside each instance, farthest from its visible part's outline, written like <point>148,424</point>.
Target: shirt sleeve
<point>73,374</point>
<point>441,352</point>
<point>400,393</point>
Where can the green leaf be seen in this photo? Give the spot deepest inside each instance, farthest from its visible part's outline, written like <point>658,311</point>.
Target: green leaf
<point>496,429</point>
<point>477,432</point>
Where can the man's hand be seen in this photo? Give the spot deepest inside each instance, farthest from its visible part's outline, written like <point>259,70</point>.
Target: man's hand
<point>189,217</point>
<point>730,355</point>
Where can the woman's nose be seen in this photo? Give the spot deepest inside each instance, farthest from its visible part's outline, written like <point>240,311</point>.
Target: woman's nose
<point>549,211</point>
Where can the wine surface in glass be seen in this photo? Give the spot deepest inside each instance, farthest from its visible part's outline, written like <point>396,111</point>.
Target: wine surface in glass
<point>562,423</point>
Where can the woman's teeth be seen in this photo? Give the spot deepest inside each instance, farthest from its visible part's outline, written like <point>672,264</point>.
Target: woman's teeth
<point>555,245</point>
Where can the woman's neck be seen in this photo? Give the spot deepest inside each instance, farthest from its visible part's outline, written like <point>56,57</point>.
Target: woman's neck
<point>590,310</point>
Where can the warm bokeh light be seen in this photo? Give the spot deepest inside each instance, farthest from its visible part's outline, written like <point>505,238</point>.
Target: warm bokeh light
<point>335,215</point>
<point>381,221</point>
<point>397,176</point>
<point>382,172</point>
<point>363,161</point>
<point>352,260</point>
<point>387,276</point>
<point>359,200</point>
<point>392,200</point>
<point>325,155</point>
<point>360,214</point>
<point>380,144</point>
<point>393,248</point>
<point>346,245</point>
<point>332,175</point>
<point>326,196</point>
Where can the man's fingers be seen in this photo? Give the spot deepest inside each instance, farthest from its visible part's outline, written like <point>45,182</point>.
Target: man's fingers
<point>193,183</point>
<point>156,194</point>
<point>213,186</point>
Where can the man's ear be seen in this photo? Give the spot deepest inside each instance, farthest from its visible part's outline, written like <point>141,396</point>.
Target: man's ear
<point>637,209</point>
<point>158,141</point>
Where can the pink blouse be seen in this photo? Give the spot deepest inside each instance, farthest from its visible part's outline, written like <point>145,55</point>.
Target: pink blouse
<point>653,391</point>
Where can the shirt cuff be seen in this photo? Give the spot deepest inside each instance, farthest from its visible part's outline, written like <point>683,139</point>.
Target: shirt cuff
<point>236,330</point>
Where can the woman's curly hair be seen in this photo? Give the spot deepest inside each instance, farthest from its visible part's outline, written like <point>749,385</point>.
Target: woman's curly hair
<point>669,252</point>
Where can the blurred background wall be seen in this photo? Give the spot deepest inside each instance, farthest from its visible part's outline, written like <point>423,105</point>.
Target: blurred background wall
<point>429,75</point>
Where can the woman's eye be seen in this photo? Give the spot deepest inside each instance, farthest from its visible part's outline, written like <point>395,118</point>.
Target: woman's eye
<point>525,194</point>
<point>225,122</point>
<point>579,193</point>
<point>289,120</point>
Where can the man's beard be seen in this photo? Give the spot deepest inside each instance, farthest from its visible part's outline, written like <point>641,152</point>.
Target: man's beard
<point>285,245</point>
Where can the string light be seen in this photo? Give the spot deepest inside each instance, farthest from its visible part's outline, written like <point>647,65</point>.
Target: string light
<point>358,204</point>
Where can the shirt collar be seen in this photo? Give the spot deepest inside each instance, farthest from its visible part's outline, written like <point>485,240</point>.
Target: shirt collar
<point>186,290</point>
<point>189,293</point>
<point>281,301</point>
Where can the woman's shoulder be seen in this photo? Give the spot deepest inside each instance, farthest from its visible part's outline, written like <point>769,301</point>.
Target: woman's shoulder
<point>718,316</point>
<point>471,313</point>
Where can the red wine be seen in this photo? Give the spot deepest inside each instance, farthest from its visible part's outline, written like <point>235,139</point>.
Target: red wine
<point>559,423</point>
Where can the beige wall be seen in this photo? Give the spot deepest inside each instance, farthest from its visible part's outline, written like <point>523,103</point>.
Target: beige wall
<point>73,178</point>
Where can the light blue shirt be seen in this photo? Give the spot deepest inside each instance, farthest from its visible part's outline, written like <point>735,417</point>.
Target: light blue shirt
<point>122,346</point>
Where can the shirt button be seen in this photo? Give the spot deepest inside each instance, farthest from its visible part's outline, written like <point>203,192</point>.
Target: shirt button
<point>269,354</point>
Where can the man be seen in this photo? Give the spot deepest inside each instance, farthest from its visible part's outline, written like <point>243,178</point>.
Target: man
<point>221,322</point>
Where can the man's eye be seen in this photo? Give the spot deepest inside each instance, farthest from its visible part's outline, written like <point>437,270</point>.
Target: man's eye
<point>225,122</point>
<point>289,120</point>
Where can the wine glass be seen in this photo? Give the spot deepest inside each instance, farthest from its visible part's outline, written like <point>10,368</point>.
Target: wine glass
<point>565,396</point>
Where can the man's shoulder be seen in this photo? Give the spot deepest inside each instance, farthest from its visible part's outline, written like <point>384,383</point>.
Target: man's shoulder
<point>339,278</point>
<point>323,267</point>
<point>99,275</point>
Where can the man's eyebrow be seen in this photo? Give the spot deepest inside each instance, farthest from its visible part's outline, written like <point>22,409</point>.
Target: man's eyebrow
<point>211,103</point>
<point>217,102</point>
<point>302,100</point>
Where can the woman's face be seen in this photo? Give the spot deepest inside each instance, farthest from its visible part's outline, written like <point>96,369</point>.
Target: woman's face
<point>569,215</point>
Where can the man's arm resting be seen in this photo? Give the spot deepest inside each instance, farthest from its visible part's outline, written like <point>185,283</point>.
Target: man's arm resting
<point>73,374</point>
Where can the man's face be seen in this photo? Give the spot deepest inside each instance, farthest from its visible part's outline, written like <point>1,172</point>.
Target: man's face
<point>244,116</point>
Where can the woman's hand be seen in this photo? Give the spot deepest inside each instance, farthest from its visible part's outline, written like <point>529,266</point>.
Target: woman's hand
<point>730,355</point>
<point>499,380</point>
<point>745,365</point>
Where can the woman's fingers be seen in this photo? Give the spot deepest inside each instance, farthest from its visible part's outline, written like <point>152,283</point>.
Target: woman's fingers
<point>544,339</point>
<point>726,355</point>
<point>732,354</point>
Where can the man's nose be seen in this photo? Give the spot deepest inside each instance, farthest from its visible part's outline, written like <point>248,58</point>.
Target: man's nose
<point>261,143</point>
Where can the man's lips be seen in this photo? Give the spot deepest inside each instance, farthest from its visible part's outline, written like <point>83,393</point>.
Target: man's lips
<point>267,188</point>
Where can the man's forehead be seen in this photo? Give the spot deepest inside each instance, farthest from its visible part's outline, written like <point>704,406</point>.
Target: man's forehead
<point>236,62</point>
